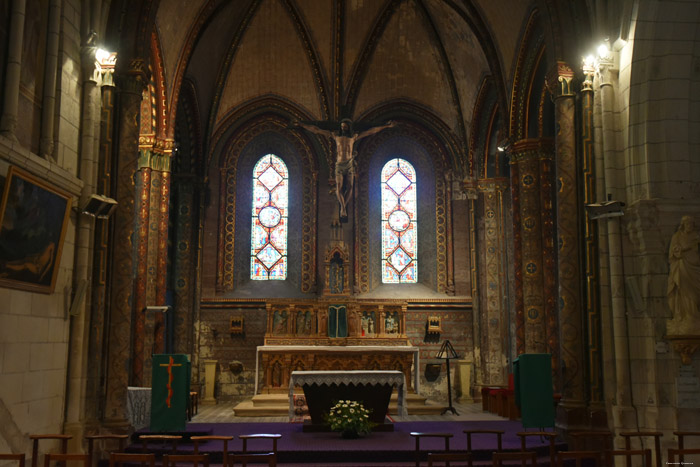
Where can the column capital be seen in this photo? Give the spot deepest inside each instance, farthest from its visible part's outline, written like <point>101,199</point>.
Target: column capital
<point>135,78</point>
<point>559,81</point>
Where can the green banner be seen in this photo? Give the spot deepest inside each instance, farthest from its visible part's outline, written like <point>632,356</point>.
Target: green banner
<point>170,393</point>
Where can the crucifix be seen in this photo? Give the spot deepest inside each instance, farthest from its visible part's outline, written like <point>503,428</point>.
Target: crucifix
<point>345,139</point>
<point>171,363</point>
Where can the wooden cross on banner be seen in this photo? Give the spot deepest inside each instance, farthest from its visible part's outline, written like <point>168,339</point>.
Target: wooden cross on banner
<point>170,366</point>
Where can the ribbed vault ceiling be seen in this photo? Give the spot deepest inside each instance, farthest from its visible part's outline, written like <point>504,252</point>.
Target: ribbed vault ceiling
<point>339,58</point>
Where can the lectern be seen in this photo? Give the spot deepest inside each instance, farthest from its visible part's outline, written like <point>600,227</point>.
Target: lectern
<point>447,352</point>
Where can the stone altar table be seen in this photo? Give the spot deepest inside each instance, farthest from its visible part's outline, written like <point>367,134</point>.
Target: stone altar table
<point>373,388</point>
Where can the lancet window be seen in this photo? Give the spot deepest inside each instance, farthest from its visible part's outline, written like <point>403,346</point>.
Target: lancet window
<point>399,223</point>
<point>268,251</point>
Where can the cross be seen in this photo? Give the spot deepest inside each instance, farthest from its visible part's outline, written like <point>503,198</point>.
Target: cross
<point>170,366</point>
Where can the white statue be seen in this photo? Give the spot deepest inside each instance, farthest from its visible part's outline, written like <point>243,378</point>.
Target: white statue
<point>684,279</point>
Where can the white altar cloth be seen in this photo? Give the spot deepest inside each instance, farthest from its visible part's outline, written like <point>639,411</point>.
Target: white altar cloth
<point>393,377</point>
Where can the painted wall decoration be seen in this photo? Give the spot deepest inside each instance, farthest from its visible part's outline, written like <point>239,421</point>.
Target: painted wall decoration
<point>399,223</point>
<point>33,221</point>
<point>268,242</point>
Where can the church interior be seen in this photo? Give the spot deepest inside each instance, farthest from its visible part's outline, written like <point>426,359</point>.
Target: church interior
<point>275,186</point>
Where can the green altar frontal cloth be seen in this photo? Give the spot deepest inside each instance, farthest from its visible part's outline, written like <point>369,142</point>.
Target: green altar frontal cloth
<point>170,393</point>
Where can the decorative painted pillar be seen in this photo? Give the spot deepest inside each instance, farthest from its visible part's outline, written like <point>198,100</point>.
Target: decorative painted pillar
<point>8,121</point>
<point>162,164</point>
<point>571,409</point>
<point>131,84</point>
<point>48,106</point>
<point>492,306</point>
<point>184,262</point>
<point>142,351</point>
<point>529,156</point>
<point>591,251</point>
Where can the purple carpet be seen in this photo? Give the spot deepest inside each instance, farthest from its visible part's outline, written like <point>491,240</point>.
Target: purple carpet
<point>296,446</point>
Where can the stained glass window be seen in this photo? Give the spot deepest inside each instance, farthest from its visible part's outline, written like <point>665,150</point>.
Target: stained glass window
<point>399,228</point>
<point>268,236</point>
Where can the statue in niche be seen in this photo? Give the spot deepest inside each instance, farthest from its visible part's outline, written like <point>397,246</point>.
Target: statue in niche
<point>345,140</point>
<point>279,322</point>
<point>304,323</point>
<point>391,325</point>
<point>323,322</point>
<point>684,279</point>
<point>336,274</point>
<point>352,323</point>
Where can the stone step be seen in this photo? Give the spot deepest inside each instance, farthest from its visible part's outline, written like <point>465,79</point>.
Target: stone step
<point>266,400</point>
<point>276,405</point>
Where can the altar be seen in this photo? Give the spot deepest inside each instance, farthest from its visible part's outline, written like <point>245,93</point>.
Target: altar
<point>373,389</point>
<point>334,334</point>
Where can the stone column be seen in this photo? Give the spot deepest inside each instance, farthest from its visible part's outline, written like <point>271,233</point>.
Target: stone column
<point>527,155</point>
<point>48,106</point>
<point>623,411</point>
<point>571,409</point>
<point>492,307</point>
<point>8,121</point>
<point>183,263</point>
<point>82,273</point>
<point>162,251</point>
<point>142,351</point>
<point>591,251</point>
<point>131,84</point>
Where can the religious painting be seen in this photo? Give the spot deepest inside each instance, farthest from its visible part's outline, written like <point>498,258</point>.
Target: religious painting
<point>33,221</point>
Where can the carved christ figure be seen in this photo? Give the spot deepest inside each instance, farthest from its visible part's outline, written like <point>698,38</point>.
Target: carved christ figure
<point>345,140</point>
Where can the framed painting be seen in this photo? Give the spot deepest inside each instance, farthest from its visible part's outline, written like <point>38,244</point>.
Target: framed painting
<point>33,220</point>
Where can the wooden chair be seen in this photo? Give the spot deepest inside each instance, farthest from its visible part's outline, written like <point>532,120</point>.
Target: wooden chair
<point>499,435</point>
<point>419,435</point>
<point>20,458</point>
<point>172,460</point>
<point>145,439</point>
<point>523,456</point>
<point>105,437</point>
<point>243,459</point>
<point>680,453</point>
<point>578,456</point>
<point>62,458</point>
<point>581,440</point>
<point>542,434</point>
<point>120,458</point>
<point>271,456</point>
<point>193,405</point>
<point>446,457</point>
<point>644,454</point>
<point>197,439</point>
<point>657,443</point>
<point>35,444</point>
<point>681,439</point>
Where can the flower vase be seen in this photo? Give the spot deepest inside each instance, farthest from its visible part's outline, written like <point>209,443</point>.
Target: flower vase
<point>350,434</point>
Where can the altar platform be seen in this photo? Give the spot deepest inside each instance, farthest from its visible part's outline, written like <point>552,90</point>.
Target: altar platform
<point>379,448</point>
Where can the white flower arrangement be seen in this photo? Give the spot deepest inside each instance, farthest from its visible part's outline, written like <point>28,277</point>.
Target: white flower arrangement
<point>349,416</point>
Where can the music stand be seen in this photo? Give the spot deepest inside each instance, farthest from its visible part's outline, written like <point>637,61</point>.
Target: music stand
<point>447,352</point>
